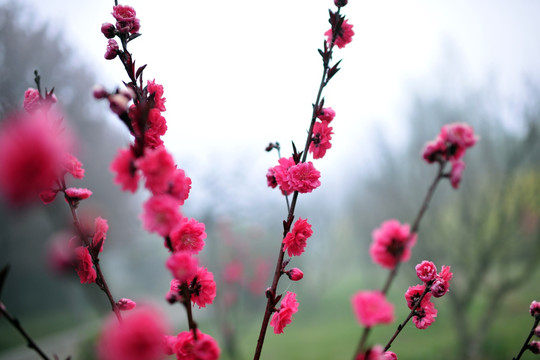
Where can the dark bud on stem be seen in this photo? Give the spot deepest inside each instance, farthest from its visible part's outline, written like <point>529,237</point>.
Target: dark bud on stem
<point>340,3</point>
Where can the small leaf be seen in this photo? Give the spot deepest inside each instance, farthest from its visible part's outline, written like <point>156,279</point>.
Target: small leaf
<point>140,70</point>
<point>133,37</point>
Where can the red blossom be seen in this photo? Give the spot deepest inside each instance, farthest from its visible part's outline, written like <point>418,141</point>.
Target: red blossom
<point>426,271</point>
<point>295,274</point>
<point>442,282</point>
<point>344,35</point>
<point>73,166</point>
<point>125,304</point>
<point>392,243</point>
<point>32,100</point>
<point>295,240</point>
<point>326,114</point>
<point>283,316</point>
<point>376,353</point>
<point>112,49</point>
<point>371,308</point>
<point>303,177</point>
<point>185,347</point>
<point>279,174</point>
<point>182,265</point>
<point>100,232</point>
<point>161,214</point>
<point>189,236</point>
<point>158,168</point>
<point>203,287</point>
<point>138,337</point>
<point>77,194</point>
<point>157,91</point>
<point>127,174</point>
<point>534,309</point>
<point>84,266</point>
<point>425,315</point>
<point>320,140</point>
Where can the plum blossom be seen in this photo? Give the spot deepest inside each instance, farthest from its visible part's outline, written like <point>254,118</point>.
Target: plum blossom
<point>424,316</point>
<point>125,304</point>
<point>182,265</point>
<point>100,232</point>
<point>189,236</point>
<point>376,353</point>
<point>138,337</point>
<point>32,100</point>
<point>126,20</point>
<point>161,214</point>
<point>458,167</point>
<point>283,316</point>
<point>344,35</point>
<point>371,308</point>
<point>157,91</point>
<point>112,49</point>
<point>32,153</point>
<point>84,266</point>
<point>392,243</point>
<point>320,141</point>
<point>203,287</point>
<point>127,174</point>
<point>326,114</point>
<point>279,174</point>
<point>426,271</point>
<point>442,282</point>
<point>77,194</point>
<point>73,166</point>
<point>303,177</point>
<point>158,168</point>
<point>295,240</point>
<point>185,347</point>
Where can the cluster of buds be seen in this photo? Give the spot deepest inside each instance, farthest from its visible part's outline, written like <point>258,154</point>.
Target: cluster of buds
<point>534,310</point>
<point>419,296</point>
<point>126,23</point>
<point>451,145</point>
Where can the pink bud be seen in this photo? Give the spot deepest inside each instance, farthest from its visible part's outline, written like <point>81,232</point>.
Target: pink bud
<point>99,92</point>
<point>125,304</point>
<point>78,193</point>
<point>118,103</point>
<point>426,271</point>
<point>534,346</point>
<point>534,309</point>
<point>537,331</point>
<point>108,30</point>
<point>295,274</point>
<point>112,49</point>
<point>340,3</point>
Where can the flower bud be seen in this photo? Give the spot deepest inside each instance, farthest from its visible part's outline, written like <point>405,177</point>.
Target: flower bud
<point>340,3</point>
<point>537,331</point>
<point>118,103</point>
<point>534,309</point>
<point>439,287</point>
<point>426,271</point>
<point>112,49</point>
<point>108,30</point>
<point>295,274</point>
<point>534,346</point>
<point>99,92</point>
<point>125,304</point>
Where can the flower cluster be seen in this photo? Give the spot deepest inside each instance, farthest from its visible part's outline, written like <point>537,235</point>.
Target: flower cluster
<point>451,145</point>
<point>392,244</point>
<point>291,177</point>
<point>283,316</point>
<point>418,297</point>
<point>147,161</point>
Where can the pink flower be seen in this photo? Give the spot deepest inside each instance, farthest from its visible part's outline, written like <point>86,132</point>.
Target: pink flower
<point>138,337</point>
<point>161,214</point>
<point>376,353</point>
<point>189,236</point>
<point>283,316</point>
<point>182,265</point>
<point>460,135</point>
<point>32,100</point>
<point>156,127</point>
<point>48,196</point>
<point>157,91</point>
<point>344,36</point>
<point>32,150</point>
<point>295,240</point>
<point>100,232</point>
<point>426,271</point>
<point>320,140</point>
<point>112,49</point>
<point>392,243</point>
<point>73,166</point>
<point>158,168</point>
<point>271,178</point>
<point>186,348</point>
<point>534,309</point>
<point>203,287</point>
<point>434,150</point>
<point>413,294</point>
<point>455,174</point>
<point>127,175</point>
<point>442,282</point>
<point>303,178</point>
<point>371,308</point>
<point>84,265</point>
<point>326,114</point>
<point>180,186</point>
<point>425,315</point>
<point>295,274</point>
<point>173,294</point>
<point>125,304</point>
<point>280,173</point>
<point>126,21</point>
<point>77,194</point>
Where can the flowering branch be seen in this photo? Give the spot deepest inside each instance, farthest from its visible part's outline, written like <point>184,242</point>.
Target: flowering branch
<point>534,346</point>
<point>317,142</point>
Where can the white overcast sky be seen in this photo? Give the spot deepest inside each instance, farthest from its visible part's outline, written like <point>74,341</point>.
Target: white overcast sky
<point>238,74</point>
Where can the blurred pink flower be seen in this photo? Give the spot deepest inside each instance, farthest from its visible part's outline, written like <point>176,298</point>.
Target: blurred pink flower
<point>434,150</point>
<point>376,353</point>
<point>283,316</point>
<point>161,214</point>
<point>139,336</point>
<point>295,240</point>
<point>32,152</point>
<point>180,186</point>
<point>127,175</point>
<point>100,232</point>
<point>233,272</point>
<point>73,166</point>
<point>182,265</point>
<point>158,168</point>
<point>460,135</point>
<point>112,49</point>
<point>392,243</point>
<point>371,308</point>
<point>186,348</point>
<point>32,100</point>
<point>84,266</point>
<point>458,167</point>
<point>157,91</point>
